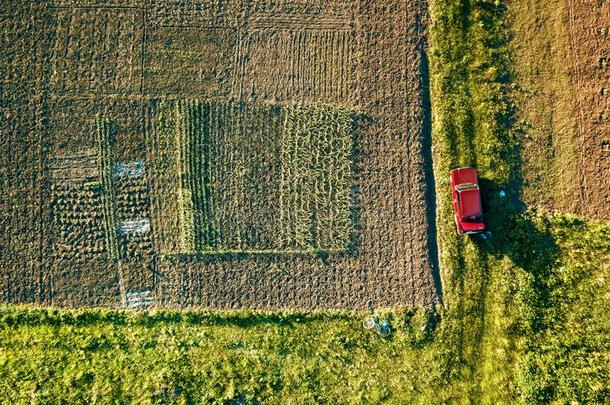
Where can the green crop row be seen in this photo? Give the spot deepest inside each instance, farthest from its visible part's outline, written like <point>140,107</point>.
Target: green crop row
<point>107,192</point>
<point>165,186</point>
<point>189,157</point>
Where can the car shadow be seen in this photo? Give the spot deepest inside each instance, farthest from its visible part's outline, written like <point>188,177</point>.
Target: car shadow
<point>516,232</point>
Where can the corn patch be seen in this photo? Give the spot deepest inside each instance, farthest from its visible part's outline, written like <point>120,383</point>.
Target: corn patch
<point>252,178</point>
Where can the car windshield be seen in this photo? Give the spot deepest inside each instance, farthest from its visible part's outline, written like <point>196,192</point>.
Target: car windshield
<point>466,186</point>
<point>472,218</point>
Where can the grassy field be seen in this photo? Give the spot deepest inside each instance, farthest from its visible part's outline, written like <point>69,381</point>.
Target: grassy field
<point>170,357</point>
<point>525,319</point>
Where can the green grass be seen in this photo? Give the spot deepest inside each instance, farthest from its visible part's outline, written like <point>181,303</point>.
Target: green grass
<point>567,346</point>
<point>510,297</point>
<point>52,356</point>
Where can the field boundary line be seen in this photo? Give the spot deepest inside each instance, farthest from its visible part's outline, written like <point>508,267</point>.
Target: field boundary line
<point>198,27</point>
<point>409,146</point>
<point>55,96</point>
<point>45,268</point>
<point>143,58</point>
<point>253,252</point>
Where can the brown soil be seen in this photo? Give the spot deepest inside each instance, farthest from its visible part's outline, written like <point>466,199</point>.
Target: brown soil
<point>563,68</point>
<point>72,70</point>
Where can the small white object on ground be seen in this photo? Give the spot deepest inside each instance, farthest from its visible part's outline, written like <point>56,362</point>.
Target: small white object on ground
<point>502,194</point>
<point>138,299</point>
<point>135,226</point>
<point>129,169</point>
<point>369,322</point>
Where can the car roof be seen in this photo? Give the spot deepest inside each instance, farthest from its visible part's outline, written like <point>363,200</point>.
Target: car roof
<point>471,202</point>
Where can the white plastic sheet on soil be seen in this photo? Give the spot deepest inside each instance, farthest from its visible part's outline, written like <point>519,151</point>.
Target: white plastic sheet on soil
<point>135,226</point>
<point>129,169</point>
<point>138,299</point>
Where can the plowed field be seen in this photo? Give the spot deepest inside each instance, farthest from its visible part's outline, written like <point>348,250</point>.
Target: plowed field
<point>258,154</point>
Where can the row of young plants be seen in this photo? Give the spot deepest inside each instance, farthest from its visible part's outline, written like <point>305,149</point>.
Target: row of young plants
<point>105,168</point>
<point>185,199</point>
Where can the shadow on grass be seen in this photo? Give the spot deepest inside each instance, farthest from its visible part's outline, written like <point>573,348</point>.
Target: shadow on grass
<point>428,169</point>
<point>514,233</point>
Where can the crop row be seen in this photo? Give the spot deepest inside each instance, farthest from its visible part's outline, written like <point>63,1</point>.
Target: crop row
<point>187,137</point>
<point>244,174</point>
<point>162,166</point>
<point>231,174</point>
<point>107,189</point>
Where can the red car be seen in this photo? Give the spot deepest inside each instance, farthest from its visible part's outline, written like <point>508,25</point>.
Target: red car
<point>466,198</point>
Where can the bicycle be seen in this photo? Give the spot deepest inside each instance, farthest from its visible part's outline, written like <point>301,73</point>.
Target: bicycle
<point>383,328</point>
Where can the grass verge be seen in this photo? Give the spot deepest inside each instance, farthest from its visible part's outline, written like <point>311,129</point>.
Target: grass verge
<point>510,295</point>
<point>54,356</point>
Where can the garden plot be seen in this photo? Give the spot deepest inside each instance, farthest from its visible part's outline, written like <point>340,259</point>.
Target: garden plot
<point>96,51</point>
<point>193,61</point>
<point>304,64</point>
<point>252,178</point>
